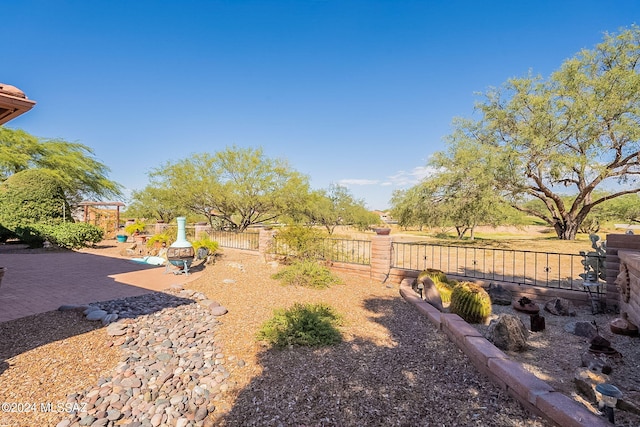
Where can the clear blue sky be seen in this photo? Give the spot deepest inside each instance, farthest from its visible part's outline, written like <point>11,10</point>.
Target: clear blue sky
<point>358,93</point>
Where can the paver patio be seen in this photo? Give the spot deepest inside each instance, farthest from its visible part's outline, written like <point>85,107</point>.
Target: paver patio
<point>36,282</point>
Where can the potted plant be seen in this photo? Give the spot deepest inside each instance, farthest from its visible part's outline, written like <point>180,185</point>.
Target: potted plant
<point>135,228</point>
<point>382,229</point>
<point>158,240</point>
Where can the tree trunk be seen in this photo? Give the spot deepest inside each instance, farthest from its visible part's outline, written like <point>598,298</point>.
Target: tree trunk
<point>566,229</point>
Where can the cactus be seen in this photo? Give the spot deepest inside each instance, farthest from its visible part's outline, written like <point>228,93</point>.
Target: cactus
<point>471,302</point>
<point>443,284</point>
<point>593,262</point>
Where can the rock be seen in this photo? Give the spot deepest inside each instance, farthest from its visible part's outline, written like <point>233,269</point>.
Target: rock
<point>525,305</point>
<point>581,329</point>
<point>96,315</point>
<point>499,295</point>
<point>429,292</point>
<point>218,310</point>
<point>508,333</point>
<point>116,329</point>
<point>64,423</point>
<point>109,318</point>
<point>89,309</point>
<point>586,381</point>
<point>228,281</point>
<point>597,363</point>
<point>560,307</point>
<point>113,415</point>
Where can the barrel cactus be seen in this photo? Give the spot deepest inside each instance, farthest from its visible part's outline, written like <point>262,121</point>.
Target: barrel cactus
<point>471,302</point>
<point>443,284</point>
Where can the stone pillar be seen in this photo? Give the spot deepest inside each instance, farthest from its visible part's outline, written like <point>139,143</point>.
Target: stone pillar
<point>160,227</point>
<point>381,257</point>
<point>265,241</point>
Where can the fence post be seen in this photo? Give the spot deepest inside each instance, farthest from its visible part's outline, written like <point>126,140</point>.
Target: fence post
<point>265,241</point>
<point>381,257</point>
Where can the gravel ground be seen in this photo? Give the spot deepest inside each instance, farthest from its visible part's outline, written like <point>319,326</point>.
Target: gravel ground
<point>393,367</point>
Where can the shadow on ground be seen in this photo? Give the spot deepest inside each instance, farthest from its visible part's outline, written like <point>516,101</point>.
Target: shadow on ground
<point>420,378</point>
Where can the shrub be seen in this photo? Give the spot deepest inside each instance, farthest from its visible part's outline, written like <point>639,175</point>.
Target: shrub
<point>71,235</point>
<point>307,273</point>
<point>471,302</point>
<point>205,242</point>
<point>303,324</point>
<point>31,196</point>
<point>301,242</point>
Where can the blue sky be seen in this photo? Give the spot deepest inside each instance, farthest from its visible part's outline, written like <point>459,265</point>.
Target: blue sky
<point>357,93</point>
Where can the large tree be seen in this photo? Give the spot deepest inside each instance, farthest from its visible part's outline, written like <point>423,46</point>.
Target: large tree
<point>336,206</point>
<point>571,134</point>
<point>73,164</point>
<point>234,188</point>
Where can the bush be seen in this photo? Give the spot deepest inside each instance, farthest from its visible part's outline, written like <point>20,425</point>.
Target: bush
<point>31,196</point>
<point>307,273</point>
<point>303,324</point>
<point>135,227</point>
<point>71,235</point>
<point>301,242</point>
<point>205,242</point>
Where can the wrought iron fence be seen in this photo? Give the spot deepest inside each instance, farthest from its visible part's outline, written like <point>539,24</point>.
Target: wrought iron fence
<point>230,239</point>
<point>545,269</point>
<point>337,250</point>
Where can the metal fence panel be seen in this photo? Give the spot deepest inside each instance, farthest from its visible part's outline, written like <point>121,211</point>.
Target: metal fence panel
<point>545,269</point>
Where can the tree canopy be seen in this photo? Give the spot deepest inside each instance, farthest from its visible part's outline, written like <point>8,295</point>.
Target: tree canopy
<point>336,206</point>
<point>73,164</point>
<point>233,188</point>
<point>573,133</point>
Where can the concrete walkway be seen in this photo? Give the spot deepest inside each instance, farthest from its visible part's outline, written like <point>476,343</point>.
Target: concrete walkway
<point>36,282</point>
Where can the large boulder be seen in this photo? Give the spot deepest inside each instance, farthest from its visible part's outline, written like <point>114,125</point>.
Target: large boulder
<point>508,333</point>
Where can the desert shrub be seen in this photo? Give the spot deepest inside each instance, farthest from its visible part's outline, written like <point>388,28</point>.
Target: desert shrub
<point>301,242</point>
<point>303,324</point>
<point>71,235</point>
<point>307,273</point>
<point>471,302</point>
<point>135,227</point>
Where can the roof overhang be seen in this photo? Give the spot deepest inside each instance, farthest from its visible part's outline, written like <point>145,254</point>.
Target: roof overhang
<point>13,102</point>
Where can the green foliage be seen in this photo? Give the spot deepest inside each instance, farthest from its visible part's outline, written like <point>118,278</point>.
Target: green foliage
<point>303,324</point>
<point>153,202</point>
<point>337,206</point>
<point>71,235</point>
<point>471,302</point>
<point>236,187</point>
<point>576,131</point>
<point>301,242</point>
<point>307,273</point>
<point>158,238</point>
<point>31,196</point>
<point>205,242</point>
<point>73,164</point>
<point>136,227</point>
